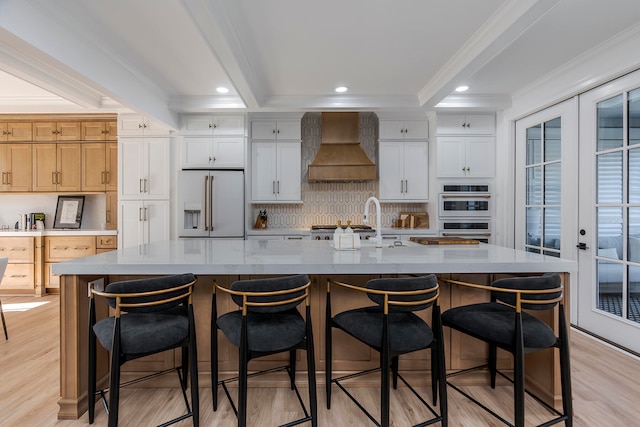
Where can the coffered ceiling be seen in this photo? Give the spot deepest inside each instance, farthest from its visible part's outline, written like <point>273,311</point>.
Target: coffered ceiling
<point>166,57</point>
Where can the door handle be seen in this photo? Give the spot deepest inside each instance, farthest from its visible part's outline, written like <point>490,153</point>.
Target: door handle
<point>206,186</point>
<point>211,204</point>
<point>582,246</point>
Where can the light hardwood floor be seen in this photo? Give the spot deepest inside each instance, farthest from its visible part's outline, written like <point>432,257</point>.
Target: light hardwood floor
<point>606,387</point>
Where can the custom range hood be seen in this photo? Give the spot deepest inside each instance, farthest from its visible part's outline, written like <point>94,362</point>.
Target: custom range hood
<point>340,157</point>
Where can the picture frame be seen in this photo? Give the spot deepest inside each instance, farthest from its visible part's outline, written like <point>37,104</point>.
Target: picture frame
<point>69,212</point>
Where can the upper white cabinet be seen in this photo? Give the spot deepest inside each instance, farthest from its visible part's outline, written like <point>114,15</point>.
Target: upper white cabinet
<point>139,125</point>
<point>466,124</point>
<point>210,152</point>
<point>404,172</point>
<point>144,168</point>
<point>276,171</point>
<point>281,129</point>
<point>220,125</point>
<point>404,129</point>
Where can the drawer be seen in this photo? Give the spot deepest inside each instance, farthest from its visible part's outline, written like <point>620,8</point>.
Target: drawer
<point>106,242</point>
<point>60,248</point>
<point>18,276</point>
<point>17,249</point>
<point>50,280</point>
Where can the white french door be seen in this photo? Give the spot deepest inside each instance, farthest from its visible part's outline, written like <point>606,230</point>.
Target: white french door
<point>546,187</point>
<point>609,262</point>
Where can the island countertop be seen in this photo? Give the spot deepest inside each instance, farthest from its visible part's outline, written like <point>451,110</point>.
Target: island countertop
<point>217,256</point>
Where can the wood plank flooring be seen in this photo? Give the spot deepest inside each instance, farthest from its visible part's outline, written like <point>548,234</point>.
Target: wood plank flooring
<point>606,387</point>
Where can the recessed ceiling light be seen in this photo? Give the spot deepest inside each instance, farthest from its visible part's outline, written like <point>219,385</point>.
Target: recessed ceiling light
<point>341,89</point>
<point>462,88</point>
<point>222,89</point>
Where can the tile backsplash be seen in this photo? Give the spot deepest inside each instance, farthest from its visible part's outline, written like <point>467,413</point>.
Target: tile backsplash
<point>328,202</point>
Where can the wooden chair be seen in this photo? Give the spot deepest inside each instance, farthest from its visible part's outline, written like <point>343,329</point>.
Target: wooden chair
<point>267,323</point>
<point>392,328</point>
<point>502,323</point>
<point>3,265</point>
<point>151,315</point>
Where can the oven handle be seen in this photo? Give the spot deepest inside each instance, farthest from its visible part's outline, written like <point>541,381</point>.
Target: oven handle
<point>458,196</point>
<point>466,234</point>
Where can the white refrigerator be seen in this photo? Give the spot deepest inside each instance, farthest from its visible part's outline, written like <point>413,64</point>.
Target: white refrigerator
<point>211,203</point>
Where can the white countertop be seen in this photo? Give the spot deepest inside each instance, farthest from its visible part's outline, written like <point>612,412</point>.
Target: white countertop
<point>220,257</point>
<point>59,232</point>
<point>307,231</point>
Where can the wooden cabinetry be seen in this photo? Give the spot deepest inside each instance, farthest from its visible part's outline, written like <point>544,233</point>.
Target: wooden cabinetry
<point>404,171</point>
<point>276,171</point>
<point>404,129</point>
<point>16,167</point>
<point>106,244</point>
<point>15,131</point>
<point>144,168</point>
<point>57,167</point>
<point>143,221</point>
<point>20,272</point>
<point>100,131</point>
<point>281,129</point>
<point>99,166</point>
<point>111,214</point>
<point>139,125</point>
<point>219,125</point>
<point>466,146</point>
<point>56,131</point>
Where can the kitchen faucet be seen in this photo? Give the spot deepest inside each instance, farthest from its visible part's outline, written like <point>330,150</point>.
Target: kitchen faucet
<point>378,219</point>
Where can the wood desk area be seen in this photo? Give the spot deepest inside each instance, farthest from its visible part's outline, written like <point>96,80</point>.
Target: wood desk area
<point>226,261</point>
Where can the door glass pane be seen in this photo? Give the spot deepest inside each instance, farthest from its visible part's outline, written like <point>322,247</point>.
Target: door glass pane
<point>633,241</point>
<point>634,117</point>
<point>610,287</point>
<point>552,184</point>
<point>633,305</point>
<point>534,226</point>
<point>534,185</point>
<point>552,132</point>
<point>552,228</point>
<point>610,123</point>
<point>634,176</point>
<point>609,175</point>
<point>534,144</point>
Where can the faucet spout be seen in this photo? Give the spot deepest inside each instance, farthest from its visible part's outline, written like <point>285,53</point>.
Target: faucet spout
<point>378,219</point>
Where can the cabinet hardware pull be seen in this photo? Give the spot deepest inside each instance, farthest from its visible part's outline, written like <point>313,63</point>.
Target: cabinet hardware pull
<point>406,186</point>
<point>107,175</point>
<point>18,275</point>
<point>108,216</point>
<point>206,187</point>
<point>464,235</point>
<point>53,178</point>
<point>273,131</point>
<point>401,186</point>
<point>210,125</point>
<point>139,125</point>
<point>145,185</point>
<point>140,214</point>
<point>278,187</point>
<point>475,196</point>
<point>140,186</point>
<point>4,174</point>
<point>211,204</point>
<point>144,126</point>
<point>273,187</point>
<point>9,178</point>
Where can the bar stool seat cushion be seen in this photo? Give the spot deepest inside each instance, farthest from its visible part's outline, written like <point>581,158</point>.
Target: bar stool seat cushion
<point>267,332</point>
<point>407,332</point>
<point>495,322</point>
<point>145,332</point>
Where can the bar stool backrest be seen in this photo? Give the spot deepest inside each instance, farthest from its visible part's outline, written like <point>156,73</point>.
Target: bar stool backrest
<point>404,284</point>
<point>270,285</point>
<point>154,287</point>
<point>546,281</point>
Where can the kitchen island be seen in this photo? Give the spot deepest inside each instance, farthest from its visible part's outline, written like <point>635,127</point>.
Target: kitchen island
<point>227,260</point>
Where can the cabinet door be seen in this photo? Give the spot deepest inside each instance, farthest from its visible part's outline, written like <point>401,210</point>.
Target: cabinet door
<point>197,152</point>
<point>16,167</point>
<point>19,132</point>
<point>68,131</point>
<point>263,177</point>
<point>197,125</point>
<point>228,125</point>
<point>451,156</point>
<point>451,124</point>
<point>157,168</point>
<point>481,124</point>
<point>263,130</point>
<point>155,221</point>
<point>289,171</point>
<point>45,167</point>
<point>391,129</point>
<point>228,153</point>
<point>151,127</point>
<point>69,160</point>
<point>111,131</point>
<point>93,166</point>
<point>111,166</point>
<point>111,214</point>
<point>130,217</point>
<point>416,129</point>
<point>131,171</point>
<point>131,125</point>
<point>416,171</point>
<point>44,131</point>
<point>480,157</point>
<point>94,131</point>
<point>289,130</point>
<point>391,170</point>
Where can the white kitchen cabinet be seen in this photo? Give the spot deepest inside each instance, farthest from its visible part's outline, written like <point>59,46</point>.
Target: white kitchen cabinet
<point>466,124</point>
<point>211,152</point>
<point>276,171</point>
<point>466,156</point>
<point>144,168</point>
<point>404,129</point>
<point>219,125</point>
<point>143,221</point>
<point>282,129</point>
<point>139,125</point>
<point>404,171</point>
